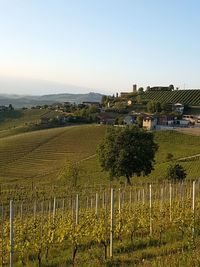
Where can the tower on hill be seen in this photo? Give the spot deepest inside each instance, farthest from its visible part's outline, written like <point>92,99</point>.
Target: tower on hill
<point>134,87</point>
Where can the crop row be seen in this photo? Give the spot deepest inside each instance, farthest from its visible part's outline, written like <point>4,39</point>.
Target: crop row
<point>187,97</point>
<point>167,215</point>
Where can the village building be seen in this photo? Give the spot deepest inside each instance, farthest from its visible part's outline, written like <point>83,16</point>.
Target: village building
<point>104,118</point>
<point>178,107</point>
<point>149,122</point>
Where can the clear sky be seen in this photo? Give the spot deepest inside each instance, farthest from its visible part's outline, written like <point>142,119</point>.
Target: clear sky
<point>101,44</point>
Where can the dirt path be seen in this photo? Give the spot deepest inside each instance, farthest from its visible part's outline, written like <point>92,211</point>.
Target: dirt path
<point>90,157</point>
<point>189,157</point>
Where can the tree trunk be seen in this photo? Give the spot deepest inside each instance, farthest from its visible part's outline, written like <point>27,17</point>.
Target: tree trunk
<point>74,251</point>
<point>128,181</point>
<point>39,258</point>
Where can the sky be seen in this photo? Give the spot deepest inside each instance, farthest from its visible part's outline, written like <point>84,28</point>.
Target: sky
<point>101,46</point>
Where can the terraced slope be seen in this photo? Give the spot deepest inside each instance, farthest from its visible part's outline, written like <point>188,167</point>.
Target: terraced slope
<point>38,154</point>
<point>187,97</point>
<point>41,155</point>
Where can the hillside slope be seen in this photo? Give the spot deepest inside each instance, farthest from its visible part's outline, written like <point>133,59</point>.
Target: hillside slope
<point>187,97</point>
<point>40,156</point>
<point>43,153</point>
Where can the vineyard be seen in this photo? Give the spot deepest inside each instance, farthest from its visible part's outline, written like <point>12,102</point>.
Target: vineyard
<point>40,156</point>
<point>129,226</point>
<point>45,221</point>
<point>186,97</point>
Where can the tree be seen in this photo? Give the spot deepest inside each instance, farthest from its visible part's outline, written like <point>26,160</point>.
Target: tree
<point>169,157</point>
<point>10,107</point>
<point>176,172</point>
<point>71,173</point>
<point>141,90</point>
<point>127,151</point>
<point>153,106</point>
<point>139,121</point>
<point>171,87</point>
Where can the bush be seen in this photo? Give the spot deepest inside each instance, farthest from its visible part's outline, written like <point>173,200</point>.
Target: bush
<point>176,172</point>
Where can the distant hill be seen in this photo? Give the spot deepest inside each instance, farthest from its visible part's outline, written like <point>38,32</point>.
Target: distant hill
<point>187,97</point>
<point>19,101</point>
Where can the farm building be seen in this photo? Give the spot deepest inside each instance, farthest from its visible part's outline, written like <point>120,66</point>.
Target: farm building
<point>106,119</point>
<point>149,122</point>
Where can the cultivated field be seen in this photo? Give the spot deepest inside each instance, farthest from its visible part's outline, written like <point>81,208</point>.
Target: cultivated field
<point>152,226</point>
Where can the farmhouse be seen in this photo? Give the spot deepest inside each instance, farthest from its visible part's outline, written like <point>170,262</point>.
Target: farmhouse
<point>165,119</point>
<point>106,119</point>
<point>149,122</point>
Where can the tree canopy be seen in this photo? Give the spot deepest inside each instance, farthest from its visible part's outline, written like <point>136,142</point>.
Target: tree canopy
<point>176,172</point>
<point>127,151</point>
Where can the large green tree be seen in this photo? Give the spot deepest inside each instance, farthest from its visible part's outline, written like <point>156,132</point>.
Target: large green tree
<point>127,151</point>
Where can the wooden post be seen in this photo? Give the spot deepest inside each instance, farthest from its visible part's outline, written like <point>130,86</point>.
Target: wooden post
<point>11,234</point>
<point>42,208</point>
<point>97,205</point>
<point>119,198</point>
<point>130,197</point>
<point>34,211</point>
<point>21,211</point>
<point>111,221</point>
<point>143,196</point>
<point>54,209</point>
<point>91,202</point>
<point>103,199</point>
<point>2,234</point>
<point>49,209</point>
<point>77,209</point>
<point>150,210</point>
<point>106,201</point>
<point>170,202</point>
<point>161,198</point>
<point>72,209</point>
<point>193,209</point>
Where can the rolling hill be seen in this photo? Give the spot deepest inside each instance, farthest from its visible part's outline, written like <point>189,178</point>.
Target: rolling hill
<point>19,101</point>
<point>41,155</point>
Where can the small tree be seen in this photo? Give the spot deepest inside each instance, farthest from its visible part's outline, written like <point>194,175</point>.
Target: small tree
<point>176,172</point>
<point>127,151</point>
<point>169,157</point>
<point>71,173</point>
